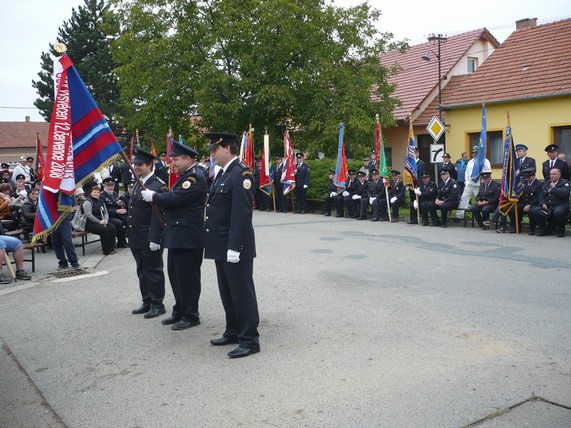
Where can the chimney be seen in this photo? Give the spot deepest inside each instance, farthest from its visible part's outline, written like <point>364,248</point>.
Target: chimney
<point>521,24</point>
<point>27,118</point>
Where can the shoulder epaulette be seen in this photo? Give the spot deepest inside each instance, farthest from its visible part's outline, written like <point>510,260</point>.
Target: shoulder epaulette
<point>246,172</point>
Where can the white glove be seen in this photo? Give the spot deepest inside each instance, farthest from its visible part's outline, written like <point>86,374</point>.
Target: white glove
<point>232,256</point>
<point>371,200</point>
<point>154,247</point>
<point>332,194</point>
<point>356,197</point>
<point>415,204</point>
<point>417,191</point>
<point>148,195</point>
<point>345,193</point>
<point>305,186</point>
<point>393,199</point>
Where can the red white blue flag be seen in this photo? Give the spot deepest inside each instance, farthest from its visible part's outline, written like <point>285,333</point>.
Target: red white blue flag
<point>80,142</point>
<point>288,174</point>
<point>341,166</point>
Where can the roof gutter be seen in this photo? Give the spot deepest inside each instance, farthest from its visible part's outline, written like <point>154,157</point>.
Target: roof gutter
<point>539,97</point>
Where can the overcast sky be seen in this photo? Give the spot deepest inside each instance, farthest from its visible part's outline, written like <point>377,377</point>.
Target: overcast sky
<point>28,26</point>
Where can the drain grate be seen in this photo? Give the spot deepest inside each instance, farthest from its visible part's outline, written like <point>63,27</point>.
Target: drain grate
<point>68,273</point>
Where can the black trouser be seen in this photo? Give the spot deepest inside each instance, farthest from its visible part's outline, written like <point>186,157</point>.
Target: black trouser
<point>119,230</point>
<point>301,198</point>
<point>151,276</point>
<point>184,275</point>
<point>236,286</point>
<point>106,232</point>
<point>558,217</point>
<point>444,208</point>
<point>482,214</point>
<point>281,201</point>
<point>329,204</point>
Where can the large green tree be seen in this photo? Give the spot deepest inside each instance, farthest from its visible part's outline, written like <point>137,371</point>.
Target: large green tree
<point>87,36</point>
<point>302,65</point>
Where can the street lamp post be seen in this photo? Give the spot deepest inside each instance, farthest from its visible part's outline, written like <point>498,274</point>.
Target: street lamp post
<point>440,39</point>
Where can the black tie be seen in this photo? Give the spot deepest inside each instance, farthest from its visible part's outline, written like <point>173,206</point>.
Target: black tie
<point>551,164</point>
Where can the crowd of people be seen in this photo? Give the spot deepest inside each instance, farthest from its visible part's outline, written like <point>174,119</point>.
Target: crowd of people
<point>462,190</point>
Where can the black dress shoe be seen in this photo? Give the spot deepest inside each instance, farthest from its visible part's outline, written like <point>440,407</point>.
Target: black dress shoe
<point>155,312</point>
<point>425,223</point>
<point>240,352</point>
<point>224,340</point>
<point>339,215</point>
<point>411,222</point>
<point>361,218</point>
<point>143,309</point>
<point>375,219</point>
<point>170,320</point>
<point>327,214</point>
<point>443,225</point>
<point>183,325</point>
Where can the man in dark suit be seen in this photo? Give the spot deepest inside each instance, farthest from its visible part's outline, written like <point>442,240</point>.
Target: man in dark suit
<point>231,243</point>
<point>553,205</point>
<point>487,199</point>
<point>183,234</point>
<point>552,152</point>
<point>396,198</point>
<point>345,197</point>
<point>529,197</point>
<point>374,192</point>
<point>331,196</point>
<point>126,175</point>
<point>301,183</point>
<point>446,164</point>
<point>281,200</point>
<point>115,174</point>
<point>145,234</point>
<point>523,161</point>
<point>446,199</point>
<point>426,192</point>
<point>161,169</point>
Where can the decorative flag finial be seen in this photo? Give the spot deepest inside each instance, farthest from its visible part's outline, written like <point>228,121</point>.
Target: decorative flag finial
<point>60,47</point>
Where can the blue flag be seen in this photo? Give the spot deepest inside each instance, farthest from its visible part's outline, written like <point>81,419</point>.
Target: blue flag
<point>481,157</point>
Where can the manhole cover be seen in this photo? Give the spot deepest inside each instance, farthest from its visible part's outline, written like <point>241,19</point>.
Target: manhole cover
<point>68,273</point>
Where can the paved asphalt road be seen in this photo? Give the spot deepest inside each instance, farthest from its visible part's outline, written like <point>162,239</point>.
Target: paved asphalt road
<point>362,325</point>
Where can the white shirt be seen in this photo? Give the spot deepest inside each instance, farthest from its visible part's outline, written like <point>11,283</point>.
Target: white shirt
<point>469,169</point>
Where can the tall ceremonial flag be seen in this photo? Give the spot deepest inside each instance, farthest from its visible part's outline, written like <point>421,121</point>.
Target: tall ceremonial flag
<point>211,168</point>
<point>153,149</point>
<point>132,146</point>
<point>341,165</point>
<point>288,173</point>
<point>511,182</point>
<point>379,150</point>
<point>481,156</point>
<point>138,140</point>
<point>173,176</point>
<point>40,161</point>
<point>265,176</point>
<point>80,142</point>
<point>247,149</point>
<point>410,171</point>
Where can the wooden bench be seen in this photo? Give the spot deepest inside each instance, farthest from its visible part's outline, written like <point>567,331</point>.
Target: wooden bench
<point>37,246</point>
<point>84,239</point>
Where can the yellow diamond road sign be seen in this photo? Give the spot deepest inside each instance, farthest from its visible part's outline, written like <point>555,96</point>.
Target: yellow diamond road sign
<point>435,128</point>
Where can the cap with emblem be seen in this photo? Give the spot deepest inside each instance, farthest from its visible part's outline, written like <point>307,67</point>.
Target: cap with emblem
<point>331,171</point>
<point>528,171</point>
<point>5,166</point>
<point>446,155</point>
<point>521,147</point>
<point>475,149</point>
<point>162,153</point>
<point>30,159</point>
<point>20,177</point>
<point>179,149</point>
<point>362,174</point>
<point>23,158</point>
<point>486,174</point>
<point>299,155</point>
<point>395,172</point>
<point>221,139</point>
<point>143,156</point>
<point>445,171</point>
<point>279,157</point>
<point>108,180</point>
<point>375,171</point>
<point>425,175</point>
<point>351,172</point>
<point>367,159</point>
<point>552,148</point>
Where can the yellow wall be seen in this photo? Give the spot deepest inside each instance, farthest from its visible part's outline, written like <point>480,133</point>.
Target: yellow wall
<point>531,122</point>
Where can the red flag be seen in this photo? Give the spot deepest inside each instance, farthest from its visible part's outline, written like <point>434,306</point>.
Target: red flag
<point>153,149</point>
<point>173,176</point>
<point>248,158</point>
<point>265,179</point>
<point>39,158</point>
<point>288,174</point>
<point>341,166</point>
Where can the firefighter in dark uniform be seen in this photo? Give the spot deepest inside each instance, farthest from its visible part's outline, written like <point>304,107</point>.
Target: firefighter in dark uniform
<point>230,242</point>
<point>375,192</point>
<point>552,152</point>
<point>529,197</point>
<point>396,197</point>
<point>331,193</point>
<point>145,233</point>
<point>426,192</point>
<point>161,169</point>
<point>301,183</point>
<point>281,200</point>
<point>117,211</point>
<point>446,199</point>
<point>345,197</point>
<point>183,234</point>
<point>487,199</point>
<point>360,193</point>
<point>553,205</point>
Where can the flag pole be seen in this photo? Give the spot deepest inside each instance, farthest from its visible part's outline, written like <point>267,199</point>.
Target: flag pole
<point>156,211</point>
<point>388,202</point>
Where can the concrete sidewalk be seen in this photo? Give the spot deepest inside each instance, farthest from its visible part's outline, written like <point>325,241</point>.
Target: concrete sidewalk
<point>362,324</point>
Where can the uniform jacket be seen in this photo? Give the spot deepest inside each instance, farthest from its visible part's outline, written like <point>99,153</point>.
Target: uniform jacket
<point>489,193</point>
<point>527,163</point>
<point>184,210</point>
<point>301,175</point>
<point>451,167</point>
<point>111,202</point>
<point>331,187</point>
<point>428,191</point>
<point>376,189</point>
<point>448,191</point>
<point>229,211</point>
<point>361,189</point>
<point>144,225</point>
<point>530,193</point>
<point>351,186</point>
<point>562,165</point>
<point>397,189</point>
<point>278,177</point>
<point>115,174</point>
<point>161,171</point>
<point>559,195</point>
<point>420,167</point>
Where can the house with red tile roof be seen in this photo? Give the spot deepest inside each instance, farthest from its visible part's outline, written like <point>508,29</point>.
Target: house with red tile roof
<point>416,85</point>
<point>527,77</point>
<point>19,139</point>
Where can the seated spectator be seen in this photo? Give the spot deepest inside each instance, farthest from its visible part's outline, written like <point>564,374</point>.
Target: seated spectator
<point>553,205</point>
<point>14,246</point>
<point>345,197</point>
<point>331,193</point>
<point>446,199</point>
<point>375,192</point>
<point>117,211</point>
<point>29,208</point>
<point>529,198</point>
<point>8,207</point>
<point>426,192</point>
<point>98,220</point>
<point>396,197</point>
<point>360,193</point>
<point>487,200</point>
